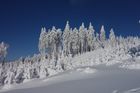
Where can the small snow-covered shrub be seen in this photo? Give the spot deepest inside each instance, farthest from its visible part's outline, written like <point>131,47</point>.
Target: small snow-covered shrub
<point>135,51</point>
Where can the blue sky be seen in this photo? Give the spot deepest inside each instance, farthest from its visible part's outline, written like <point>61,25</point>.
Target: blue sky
<point>21,20</point>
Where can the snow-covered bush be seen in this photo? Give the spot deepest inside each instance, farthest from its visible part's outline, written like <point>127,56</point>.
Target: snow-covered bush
<point>135,51</point>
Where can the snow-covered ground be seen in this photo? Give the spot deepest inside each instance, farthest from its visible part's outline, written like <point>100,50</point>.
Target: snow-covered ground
<point>95,79</point>
<point>133,64</point>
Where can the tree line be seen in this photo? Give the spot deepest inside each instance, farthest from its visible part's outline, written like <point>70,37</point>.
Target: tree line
<point>54,42</point>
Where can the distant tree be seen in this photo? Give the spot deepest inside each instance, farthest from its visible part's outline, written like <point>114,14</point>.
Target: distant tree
<point>3,51</point>
<point>70,42</point>
<point>66,36</point>
<point>42,41</point>
<point>102,36</point>
<point>112,37</point>
<point>90,37</point>
<point>82,38</point>
<point>53,37</point>
<point>97,41</point>
<point>55,42</point>
<point>75,41</point>
<point>59,42</point>
<point>48,44</point>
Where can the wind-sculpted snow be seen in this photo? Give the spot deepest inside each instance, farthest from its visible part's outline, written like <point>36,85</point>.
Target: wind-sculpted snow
<point>136,90</point>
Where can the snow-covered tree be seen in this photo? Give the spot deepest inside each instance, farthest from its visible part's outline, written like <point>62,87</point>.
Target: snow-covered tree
<point>43,72</point>
<point>82,38</point>
<point>3,51</point>
<point>112,38</point>
<point>134,51</point>
<point>53,37</point>
<point>90,37</point>
<point>97,41</point>
<point>75,41</point>
<point>42,41</point>
<point>70,51</point>
<point>66,36</point>
<point>102,36</point>
<point>59,42</point>
<point>9,78</point>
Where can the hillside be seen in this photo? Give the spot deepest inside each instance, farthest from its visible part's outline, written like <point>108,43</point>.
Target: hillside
<point>75,54</point>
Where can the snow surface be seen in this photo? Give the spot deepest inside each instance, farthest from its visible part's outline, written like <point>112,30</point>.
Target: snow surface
<point>97,79</point>
<point>72,75</point>
<point>133,64</point>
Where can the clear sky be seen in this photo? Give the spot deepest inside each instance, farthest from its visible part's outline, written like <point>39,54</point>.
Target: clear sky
<point>21,20</point>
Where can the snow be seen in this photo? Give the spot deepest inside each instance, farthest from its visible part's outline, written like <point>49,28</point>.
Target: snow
<point>71,75</point>
<point>133,64</point>
<point>136,90</point>
<point>104,80</point>
<point>86,70</point>
<point>51,71</point>
<point>89,70</point>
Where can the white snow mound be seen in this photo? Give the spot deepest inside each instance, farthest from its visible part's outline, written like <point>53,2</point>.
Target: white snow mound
<point>87,70</point>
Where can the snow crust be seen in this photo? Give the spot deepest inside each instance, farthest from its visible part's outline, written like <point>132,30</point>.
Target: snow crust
<point>135,90</point>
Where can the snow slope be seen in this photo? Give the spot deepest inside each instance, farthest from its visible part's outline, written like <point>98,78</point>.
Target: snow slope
<point>96,79</point>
